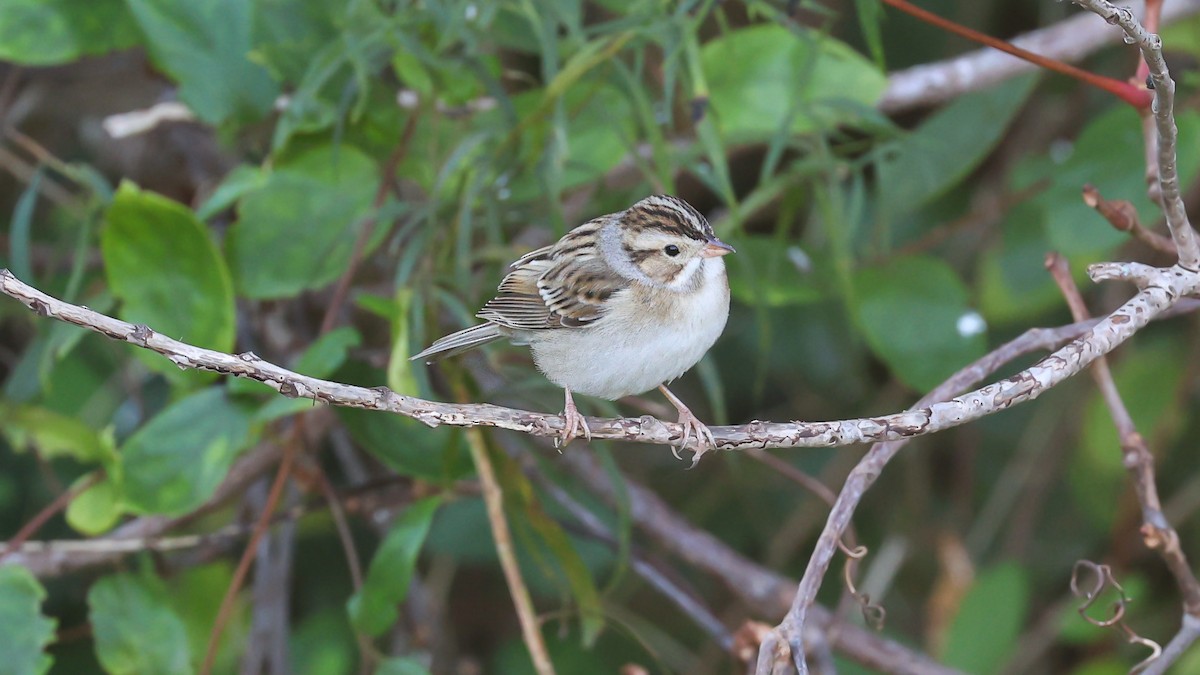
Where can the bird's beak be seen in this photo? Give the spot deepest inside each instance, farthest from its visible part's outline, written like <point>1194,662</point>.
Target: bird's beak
<point>716,248</point>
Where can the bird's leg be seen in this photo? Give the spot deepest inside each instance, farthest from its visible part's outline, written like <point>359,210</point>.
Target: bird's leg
<point>704,437</point>
<point>573,423</point>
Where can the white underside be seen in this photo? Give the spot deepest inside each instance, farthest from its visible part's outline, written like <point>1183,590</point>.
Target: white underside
<point>638,345</point>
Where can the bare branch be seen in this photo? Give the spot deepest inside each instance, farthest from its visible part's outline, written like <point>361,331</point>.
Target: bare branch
<point>1162,288</point>
<point>1164,118</point>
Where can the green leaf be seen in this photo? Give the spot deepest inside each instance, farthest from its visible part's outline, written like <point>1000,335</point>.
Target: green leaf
<point>401,666</point>
<point>204,45</point>
<point>97,509</point>
<point>914,314</point>
<point>985,630</point>
<point>166,270</point>
<point>135,629</point>
<point>53,434</point>
<point>328,353</point>
<point>1109,155</point>
<point>373,609</point>
<point>298,231</point>
<point>26,632</point>
<point>53,32</point>
<point>759,77</point>
<point>175,462</point>
<point>235,185</point>
<point>948,146</point>
<point>406,446</point>
<point>400,377</point>
<point>1012,281</point>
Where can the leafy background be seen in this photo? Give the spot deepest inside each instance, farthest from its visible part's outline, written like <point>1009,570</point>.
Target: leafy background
<point>422,146</point>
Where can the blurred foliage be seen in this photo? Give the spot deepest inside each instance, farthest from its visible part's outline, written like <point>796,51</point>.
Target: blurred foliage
<point>419,148</point>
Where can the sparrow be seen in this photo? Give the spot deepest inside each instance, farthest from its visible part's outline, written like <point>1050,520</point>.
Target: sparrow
<point>618,306</point>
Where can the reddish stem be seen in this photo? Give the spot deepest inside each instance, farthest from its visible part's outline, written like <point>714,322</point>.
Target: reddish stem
<point>1135,96</point>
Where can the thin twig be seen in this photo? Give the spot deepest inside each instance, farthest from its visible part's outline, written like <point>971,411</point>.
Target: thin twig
<point>493,498</point>
<point>35,523</point>
<point>1122,215</point>
<point>239,574</point>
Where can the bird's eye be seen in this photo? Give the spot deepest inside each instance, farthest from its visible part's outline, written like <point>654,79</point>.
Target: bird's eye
<point>671,250</point>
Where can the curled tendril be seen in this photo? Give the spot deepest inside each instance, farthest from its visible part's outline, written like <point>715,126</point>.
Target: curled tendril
<point>873,614</point>
<point>1104,580</point>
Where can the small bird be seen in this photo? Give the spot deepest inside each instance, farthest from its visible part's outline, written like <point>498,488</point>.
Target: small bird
<point>620,305</point>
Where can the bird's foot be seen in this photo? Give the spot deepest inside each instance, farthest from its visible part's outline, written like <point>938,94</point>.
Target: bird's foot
<point>574,424</point>
<point>691,425</point>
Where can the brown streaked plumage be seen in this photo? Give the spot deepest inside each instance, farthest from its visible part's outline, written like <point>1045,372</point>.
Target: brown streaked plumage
<point>618,306</point>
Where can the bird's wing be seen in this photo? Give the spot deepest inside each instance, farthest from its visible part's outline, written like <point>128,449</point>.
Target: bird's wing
<point>565,285</point>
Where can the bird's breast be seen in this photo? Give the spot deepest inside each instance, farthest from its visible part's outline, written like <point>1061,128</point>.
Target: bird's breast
<point>646,337</point>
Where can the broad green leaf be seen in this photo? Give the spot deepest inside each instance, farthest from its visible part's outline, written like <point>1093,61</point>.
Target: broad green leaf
<point>1149,385</point>
<point>298,230</point>
<point>374,608</point>
<point>166,271</point>
<point>1108,154</point>
<point>26,631</point>
<point>53,434</point>
<point>401,666</point>
<point>205,46</point>
<point>914,315</point>
<point>241,180</point>
<point>135,629</point>
<point>947,146</point>
<point>175,462</point>
<point>405,445</point>
<point>97,509</point>
<point>985,630</point>
<point>1013,282</point>
<point>761,75</point>
<point>52,32</point>
<point>328,353</point>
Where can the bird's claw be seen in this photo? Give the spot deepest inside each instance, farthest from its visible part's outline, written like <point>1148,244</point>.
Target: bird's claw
<point>704,438</point>
<point>573,425</point>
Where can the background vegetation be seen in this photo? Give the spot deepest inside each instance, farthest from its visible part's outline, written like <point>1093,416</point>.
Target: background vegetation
<point>355,178</point>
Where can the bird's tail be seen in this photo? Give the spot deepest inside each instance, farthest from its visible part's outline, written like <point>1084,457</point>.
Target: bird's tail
<point>456,343</point>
